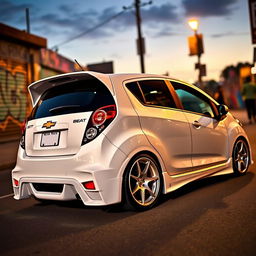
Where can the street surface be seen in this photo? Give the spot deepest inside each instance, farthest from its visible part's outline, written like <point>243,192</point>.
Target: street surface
<point>215,216</point>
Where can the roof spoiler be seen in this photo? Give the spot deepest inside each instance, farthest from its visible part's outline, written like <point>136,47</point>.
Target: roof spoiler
<point>37,88</point>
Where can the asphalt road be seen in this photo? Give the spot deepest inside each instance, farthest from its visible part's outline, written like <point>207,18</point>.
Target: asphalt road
<point>215,216</point>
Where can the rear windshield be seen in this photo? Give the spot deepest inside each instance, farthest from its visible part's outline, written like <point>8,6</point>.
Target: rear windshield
<point>79,96</point>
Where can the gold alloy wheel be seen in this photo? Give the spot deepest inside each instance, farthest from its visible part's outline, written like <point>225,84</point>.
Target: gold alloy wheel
<point>144,181</point>
<point>241,156</point>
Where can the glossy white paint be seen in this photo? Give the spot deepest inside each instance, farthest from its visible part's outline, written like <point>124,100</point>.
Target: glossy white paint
<point>71,134</point>
<point>91,163</point>
<point>164,128</point>
<point>183,152</point>
<point>209,140</point>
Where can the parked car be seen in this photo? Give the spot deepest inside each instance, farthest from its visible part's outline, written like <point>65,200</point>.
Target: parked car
<point>110,138</point>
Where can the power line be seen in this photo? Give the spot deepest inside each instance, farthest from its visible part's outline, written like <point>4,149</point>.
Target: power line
<point>90,29</point>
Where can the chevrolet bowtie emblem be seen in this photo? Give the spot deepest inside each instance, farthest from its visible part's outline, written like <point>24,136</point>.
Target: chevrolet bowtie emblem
<point>48,124</point>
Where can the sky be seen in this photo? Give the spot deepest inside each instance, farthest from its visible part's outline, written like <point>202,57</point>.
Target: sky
<point>223,23</point>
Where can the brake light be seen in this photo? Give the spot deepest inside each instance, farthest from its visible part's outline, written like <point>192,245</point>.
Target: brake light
<point>89,185</point>
<point>103,114</point>
<point>100,119</point>
<point>110,110</point>
<point>16,182</point>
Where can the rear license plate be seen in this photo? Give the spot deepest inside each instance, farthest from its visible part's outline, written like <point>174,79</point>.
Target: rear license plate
<point>50,139</point>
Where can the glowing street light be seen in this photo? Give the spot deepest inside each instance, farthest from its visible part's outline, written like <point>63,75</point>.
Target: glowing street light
<point>193,23</point>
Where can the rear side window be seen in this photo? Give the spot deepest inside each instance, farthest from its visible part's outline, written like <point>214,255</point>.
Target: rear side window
<point>135,90</point>
<point>79,96</point>
<point>152,92</point>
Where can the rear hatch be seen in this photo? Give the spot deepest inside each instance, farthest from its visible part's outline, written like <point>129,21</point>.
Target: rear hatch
<point>62,111</point>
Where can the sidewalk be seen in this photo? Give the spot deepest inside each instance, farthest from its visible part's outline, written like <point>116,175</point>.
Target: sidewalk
<point>8,154</point>
<point>8,150</point>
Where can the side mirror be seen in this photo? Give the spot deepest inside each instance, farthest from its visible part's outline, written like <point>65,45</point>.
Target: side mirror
<point>223,110</point>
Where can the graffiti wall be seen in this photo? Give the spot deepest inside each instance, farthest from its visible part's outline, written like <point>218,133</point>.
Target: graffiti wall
<point>19,66</point>
<point>14,103</point>
<point>14,99</point>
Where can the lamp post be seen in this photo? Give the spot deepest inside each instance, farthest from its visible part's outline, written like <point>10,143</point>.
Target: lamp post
<point>193,23</point>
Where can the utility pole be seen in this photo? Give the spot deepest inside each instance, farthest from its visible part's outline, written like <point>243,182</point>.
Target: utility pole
<point>27,20</point>
<point>199,60</point>
<point>140,40</point>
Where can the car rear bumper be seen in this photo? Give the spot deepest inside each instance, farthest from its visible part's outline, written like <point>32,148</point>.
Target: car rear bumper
<point>72,189</point>
<point>100,165</point>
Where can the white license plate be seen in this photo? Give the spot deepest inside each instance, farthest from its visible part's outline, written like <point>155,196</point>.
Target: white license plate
<point>50,139</point>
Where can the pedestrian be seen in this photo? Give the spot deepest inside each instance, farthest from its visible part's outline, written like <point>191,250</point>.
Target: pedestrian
<point>249,94</point>
<point>219,95</point>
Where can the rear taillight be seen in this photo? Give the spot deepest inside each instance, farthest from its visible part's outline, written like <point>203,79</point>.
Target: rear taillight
<point>99,117</point>
<point>89,185</point>
<point>23,131</point>
<point>16,182</point>
<point>99,120</point>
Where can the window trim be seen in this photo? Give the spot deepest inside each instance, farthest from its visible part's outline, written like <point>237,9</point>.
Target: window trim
<point>174,95</point>
<point>142,94</point>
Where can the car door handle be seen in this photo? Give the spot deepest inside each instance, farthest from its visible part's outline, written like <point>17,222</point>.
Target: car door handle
<point>196,124</point>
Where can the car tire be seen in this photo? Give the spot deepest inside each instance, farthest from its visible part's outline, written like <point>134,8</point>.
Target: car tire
<point>241,157</point>
<point>142,183</point>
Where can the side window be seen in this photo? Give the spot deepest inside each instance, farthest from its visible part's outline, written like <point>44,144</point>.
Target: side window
<point>156,92</point>
<point>192,100</point>
<point>135,90</point>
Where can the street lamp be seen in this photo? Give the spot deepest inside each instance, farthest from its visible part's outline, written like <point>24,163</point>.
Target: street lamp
<point>198,39</point>
<point>193,23</point>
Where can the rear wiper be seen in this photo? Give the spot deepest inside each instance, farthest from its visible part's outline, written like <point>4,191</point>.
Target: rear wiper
<point>60,108</point>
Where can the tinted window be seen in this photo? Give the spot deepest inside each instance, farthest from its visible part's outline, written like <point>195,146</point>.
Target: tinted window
<point>156,93</point>
<point>192,100</point>
<point>80,96</point>
<point>135,90</point>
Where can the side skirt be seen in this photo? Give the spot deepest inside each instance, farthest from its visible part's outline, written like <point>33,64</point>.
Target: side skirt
<point>173,182</point>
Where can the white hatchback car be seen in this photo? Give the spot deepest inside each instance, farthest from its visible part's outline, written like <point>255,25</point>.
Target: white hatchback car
<point>109,138</point>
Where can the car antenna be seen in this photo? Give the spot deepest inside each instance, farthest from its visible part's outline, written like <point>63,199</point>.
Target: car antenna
<point>79,65</point>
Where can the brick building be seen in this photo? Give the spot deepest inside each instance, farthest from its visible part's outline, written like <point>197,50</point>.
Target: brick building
<point>24,58</point>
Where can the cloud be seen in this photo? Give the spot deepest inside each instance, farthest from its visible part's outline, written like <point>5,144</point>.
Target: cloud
<point>69,20</point>
<point>164,13</point>
<point>153,15</point>
<point>229,33</point>
<point>204,8</point>
<point>72,19</point>
<point>167,33</point>
<point>70,10</point>
<point>10,11</point>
